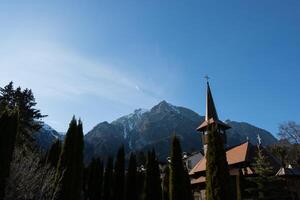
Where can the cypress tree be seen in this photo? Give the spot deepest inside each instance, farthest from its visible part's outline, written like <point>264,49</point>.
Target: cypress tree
<point>131,179</point>
<point>152,186</point>
<point>54,153</point>
<point>119,175</point>
<point>217,174</point>
<point>179,181</point>
<point>8,133</point>
<point>70,166</point>
<point>95,179</point>
<point>108,180</point>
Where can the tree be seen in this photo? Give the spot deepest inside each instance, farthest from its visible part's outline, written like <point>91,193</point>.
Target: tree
<point>8,133</point>
<point>70,166</point>
<point>152,186</point>
<point>179,181</point>
<point>217,175</point>
<point>131,179</point>
<point>95,179</point>
<point>290,131</point>
<point>166,183</point>
<point>119,175</point>
<point>54,153</point>
<point>267,185</point>
<point>24,101</point>
<point>108,179</point>
<point>29,179</point>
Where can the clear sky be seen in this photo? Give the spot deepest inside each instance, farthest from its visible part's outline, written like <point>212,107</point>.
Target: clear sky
<point>100,59</point>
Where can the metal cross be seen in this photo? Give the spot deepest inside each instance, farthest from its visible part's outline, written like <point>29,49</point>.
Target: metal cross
<point>207,78</point>
<point>259,139</point>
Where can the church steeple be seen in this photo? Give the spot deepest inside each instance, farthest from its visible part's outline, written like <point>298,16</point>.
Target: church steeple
<point>211,115</point>
<point>211,112</point>
<point>211,118</point>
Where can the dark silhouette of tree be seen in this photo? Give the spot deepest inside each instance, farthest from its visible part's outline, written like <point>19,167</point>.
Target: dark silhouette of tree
<point>217,175</point>
<point>152,186</point>
<point>8,133</point>
<point>131,179</point>
<point>179,181</point>
<point>53,154</point>
<point>140,182</point>
<point>119,175</point>
<point>95,179</point>
<point>166,182</point>
<point>108,179</point>
<point>70,166</point>
<point>24,101</point>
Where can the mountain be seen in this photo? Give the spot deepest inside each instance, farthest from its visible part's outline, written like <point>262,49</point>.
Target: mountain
<point>46,136</point>
<point>146,129</point>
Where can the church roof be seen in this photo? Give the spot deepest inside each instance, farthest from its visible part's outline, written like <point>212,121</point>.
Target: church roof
<point>237,154</point>
<point>241,154</point>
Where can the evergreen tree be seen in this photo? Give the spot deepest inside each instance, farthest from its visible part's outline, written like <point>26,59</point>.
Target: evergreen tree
<point>8,133</point>
<point>217,174</point>
<point>179,181</point>
<point>95,180</point>
<point>108,180</point>
<point>70,166</point>
<point>267,185</point>
<point>54,153</point>
<point>119,175</point>
<point>24,101</point>
<point>131,179</point>
<point>152,186</point>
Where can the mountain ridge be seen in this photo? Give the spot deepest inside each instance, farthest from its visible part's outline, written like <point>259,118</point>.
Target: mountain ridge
<point>145,129</point>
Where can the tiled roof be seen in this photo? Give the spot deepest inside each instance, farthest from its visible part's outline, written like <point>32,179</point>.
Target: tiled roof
<point>234,155</point>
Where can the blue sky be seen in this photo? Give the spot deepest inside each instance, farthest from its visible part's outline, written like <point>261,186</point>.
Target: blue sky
<point>102,59</point>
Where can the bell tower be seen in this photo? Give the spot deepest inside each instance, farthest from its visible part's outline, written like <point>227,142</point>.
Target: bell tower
<point>211,118</point>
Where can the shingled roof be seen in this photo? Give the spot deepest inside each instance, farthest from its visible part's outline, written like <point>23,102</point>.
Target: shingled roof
<point>240,154</point>
<point>234,155</point>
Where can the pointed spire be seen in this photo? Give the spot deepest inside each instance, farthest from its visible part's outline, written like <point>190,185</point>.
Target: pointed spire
<point>211,115</point>
<point>211,112</point>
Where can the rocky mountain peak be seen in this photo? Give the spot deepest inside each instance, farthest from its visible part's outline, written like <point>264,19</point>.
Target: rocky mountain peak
<point>164,107</point>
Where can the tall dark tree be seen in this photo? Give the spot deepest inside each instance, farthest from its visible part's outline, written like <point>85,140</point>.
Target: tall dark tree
<point>54,153</point>
<point>70,166</point>
<point>29,116</point>
<point>166,183</point>
<point>131,179</point>
<point>152,186</point>
<point>217,174</point>
<point>108,179</point>
<point>119,175</point>
<point>95,179</point>
<point>8,133</point>
<point>179,182</point>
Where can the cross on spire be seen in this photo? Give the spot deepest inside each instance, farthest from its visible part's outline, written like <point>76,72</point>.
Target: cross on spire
<point>207,78</point>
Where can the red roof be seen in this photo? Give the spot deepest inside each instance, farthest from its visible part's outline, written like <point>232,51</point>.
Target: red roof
<point>234,155</point>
